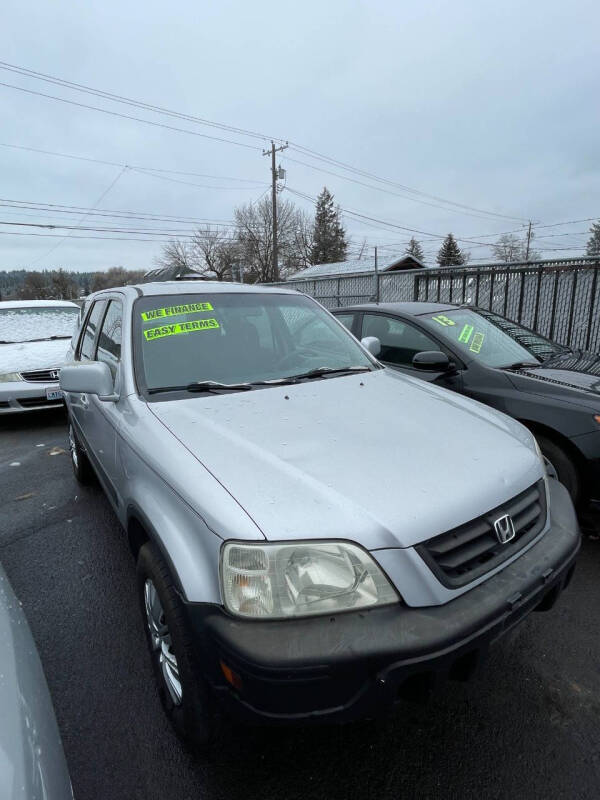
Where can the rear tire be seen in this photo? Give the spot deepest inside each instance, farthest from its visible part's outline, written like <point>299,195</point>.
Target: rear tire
<point>184,694</point>
<point>563,465</point>
<point>82,468</point>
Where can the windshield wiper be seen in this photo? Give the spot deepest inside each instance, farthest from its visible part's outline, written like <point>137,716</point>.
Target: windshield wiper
<point>215,386</point>
<point>319,371</point>
<point>44,339</point>
<point>203,386</point>
<point>26,341</point>
<point>521,365</point>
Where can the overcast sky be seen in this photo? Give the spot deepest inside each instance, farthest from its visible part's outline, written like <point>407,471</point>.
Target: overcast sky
<point>491,105</point>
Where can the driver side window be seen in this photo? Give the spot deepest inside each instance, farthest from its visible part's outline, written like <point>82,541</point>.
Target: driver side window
<point>400,341</point>
<point>88,338</point>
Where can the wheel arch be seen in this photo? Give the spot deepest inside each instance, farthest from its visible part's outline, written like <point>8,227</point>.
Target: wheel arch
<point>562,441</point>
<point>141,530</point>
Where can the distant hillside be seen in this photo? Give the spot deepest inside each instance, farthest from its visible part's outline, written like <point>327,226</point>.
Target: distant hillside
<point>59,284</point>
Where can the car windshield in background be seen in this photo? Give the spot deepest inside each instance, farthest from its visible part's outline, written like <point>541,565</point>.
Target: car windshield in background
<point>238,339</point>
<point>491,339</point>
<point>37,323</point>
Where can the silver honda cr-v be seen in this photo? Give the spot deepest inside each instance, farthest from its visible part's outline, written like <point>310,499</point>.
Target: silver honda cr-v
<point>315,534</point>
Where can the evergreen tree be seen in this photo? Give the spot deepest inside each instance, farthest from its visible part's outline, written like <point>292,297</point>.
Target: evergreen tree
<point>593,244</point>
<point>329,236</point>
<point>450,253</point>
<point>414,249</point>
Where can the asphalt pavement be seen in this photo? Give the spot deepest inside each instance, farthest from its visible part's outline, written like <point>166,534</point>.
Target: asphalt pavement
<point>527,727</point>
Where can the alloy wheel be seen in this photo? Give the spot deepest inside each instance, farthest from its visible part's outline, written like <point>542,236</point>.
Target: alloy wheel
<point>73,447</point>
<point>161,644</point>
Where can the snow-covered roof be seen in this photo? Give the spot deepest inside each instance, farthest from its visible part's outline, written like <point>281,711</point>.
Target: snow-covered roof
<point>36,304</point>
<point>359,265</point>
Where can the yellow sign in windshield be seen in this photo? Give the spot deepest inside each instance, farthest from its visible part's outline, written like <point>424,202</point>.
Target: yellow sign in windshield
<point>465,334</point>
<point>477,342</point>
<point>444,320</point>
<point>177,328</point>
<point>173,311</point>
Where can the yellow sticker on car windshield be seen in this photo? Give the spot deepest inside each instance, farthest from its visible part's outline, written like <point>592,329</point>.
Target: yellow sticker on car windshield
<point>177,328</point>
<point>465,334</point>
<point>173,311</point>
<point>477,342</point>
<point>444,320</point>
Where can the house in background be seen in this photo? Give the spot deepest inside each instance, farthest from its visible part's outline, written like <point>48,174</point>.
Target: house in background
<point>395,264</point>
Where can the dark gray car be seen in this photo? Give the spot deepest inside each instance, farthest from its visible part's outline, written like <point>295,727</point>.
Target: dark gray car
<point>553,390</point>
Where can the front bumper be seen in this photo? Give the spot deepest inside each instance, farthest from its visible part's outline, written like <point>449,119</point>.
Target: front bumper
<point>357,664</point>
<point>19,396</point>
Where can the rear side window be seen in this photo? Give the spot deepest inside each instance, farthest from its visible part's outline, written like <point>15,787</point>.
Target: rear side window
<point>346,319</point>
<point>109,341</point>
<point>86,345</point>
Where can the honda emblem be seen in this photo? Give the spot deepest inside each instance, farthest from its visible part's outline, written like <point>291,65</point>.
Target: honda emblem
<point>505,529</point>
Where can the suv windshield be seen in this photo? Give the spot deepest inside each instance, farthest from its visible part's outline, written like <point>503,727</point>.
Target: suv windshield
<point>236,338</point>
<point>493,340</point>
<point>36,323</point>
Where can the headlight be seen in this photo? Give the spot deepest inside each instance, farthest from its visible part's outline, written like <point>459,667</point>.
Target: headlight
<point>10,376</point>
<point>300,579</point>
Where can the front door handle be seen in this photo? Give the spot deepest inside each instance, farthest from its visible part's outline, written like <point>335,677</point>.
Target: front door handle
<point>83,399</point>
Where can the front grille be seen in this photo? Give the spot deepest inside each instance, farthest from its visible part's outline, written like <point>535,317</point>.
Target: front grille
<point>40,375</point>
<point>32,402</point>
<point>461,555</point>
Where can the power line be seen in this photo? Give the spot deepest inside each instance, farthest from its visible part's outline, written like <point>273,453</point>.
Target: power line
<point>382,189</point>
<point>23,71</point>
<point>59,208</point>
<point>189,183</point>
<point>362,216</point>
<point>372,176</point>
<point>99,200</point>
<point>257,183</point>
<point>150,231</point>
<point>29,73</point>
<point>128,116</point>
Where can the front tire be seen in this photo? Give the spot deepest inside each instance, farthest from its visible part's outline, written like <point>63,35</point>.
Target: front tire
<point>82,468</point>
<point>184,694</point>
<point>563,466</point>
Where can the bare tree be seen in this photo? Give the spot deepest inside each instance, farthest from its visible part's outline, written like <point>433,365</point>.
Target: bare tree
<point>216,252</point>
<point>303,241</point>
<point>255,236</point>
<point>116,276</point>
<point>510,248</point>
<point>178,257</point>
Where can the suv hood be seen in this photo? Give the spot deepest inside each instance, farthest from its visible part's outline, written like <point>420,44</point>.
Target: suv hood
<point>378,458</point>
<point>24,356</point>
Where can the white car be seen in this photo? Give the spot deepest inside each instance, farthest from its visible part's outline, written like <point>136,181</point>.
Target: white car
<point>34,338</point>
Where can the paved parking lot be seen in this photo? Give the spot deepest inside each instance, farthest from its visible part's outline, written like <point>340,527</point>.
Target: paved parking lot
<point>527,727</point>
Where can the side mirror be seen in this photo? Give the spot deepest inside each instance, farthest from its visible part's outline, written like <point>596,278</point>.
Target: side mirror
<point>89,377</point>
<point>433,361</point>
<point>372,344</point>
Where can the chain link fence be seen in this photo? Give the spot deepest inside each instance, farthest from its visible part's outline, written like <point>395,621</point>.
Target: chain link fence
<point>558,299</point>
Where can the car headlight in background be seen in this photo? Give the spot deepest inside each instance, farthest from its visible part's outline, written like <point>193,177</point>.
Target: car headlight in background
<point>300,579</point>
<point>10,376</point>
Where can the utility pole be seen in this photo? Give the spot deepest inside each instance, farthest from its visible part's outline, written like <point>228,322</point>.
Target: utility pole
<point>275,256</point>
<point>528,242</point>
<point>376,278</point>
